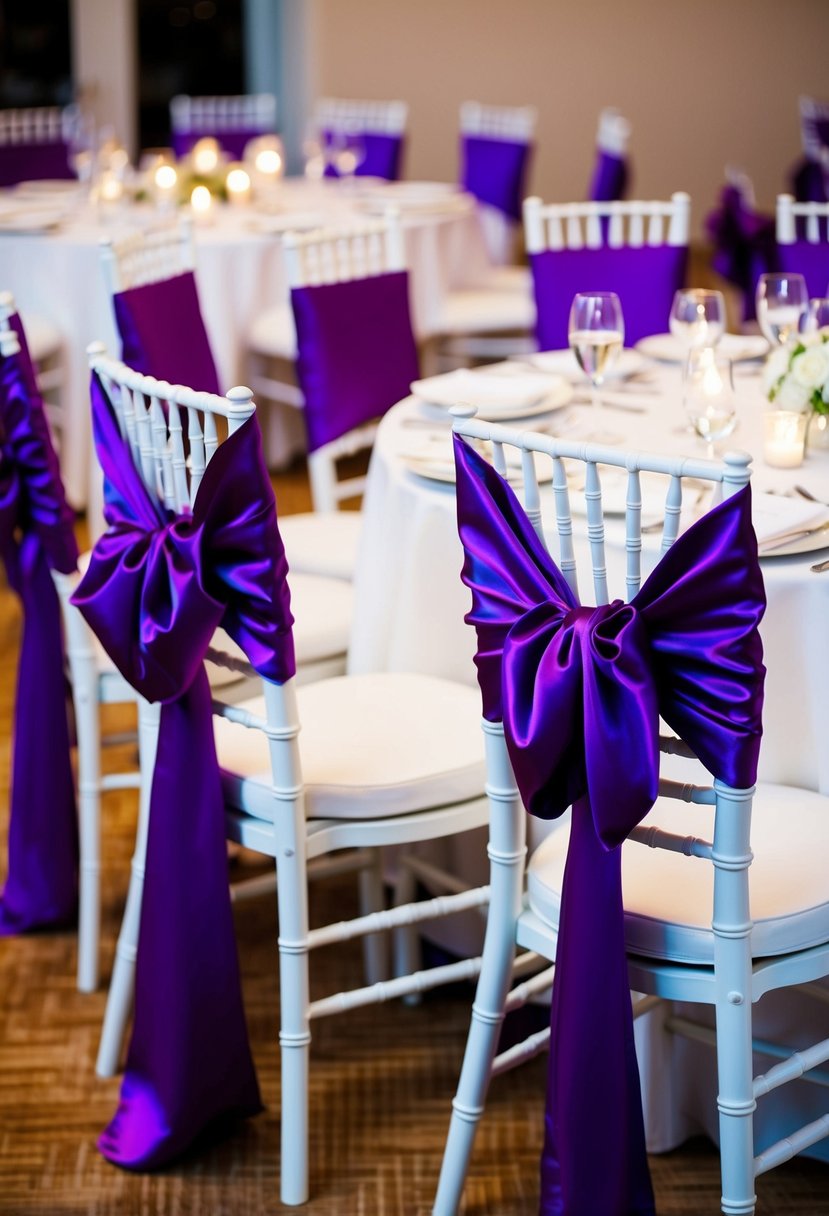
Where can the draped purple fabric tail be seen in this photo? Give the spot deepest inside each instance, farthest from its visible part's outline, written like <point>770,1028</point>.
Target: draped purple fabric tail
<point>157,587</point>
<point>744,245</point>
<point>36,535</point>
<point>644,279</point>
<point>580,691</point>
<point>163,333</point>
<point>356,353</point>
<point>610,178</point>
<point>495,171</point>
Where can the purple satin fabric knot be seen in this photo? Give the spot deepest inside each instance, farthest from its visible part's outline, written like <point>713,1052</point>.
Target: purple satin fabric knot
<point>379,153</point>
<point>356,353</point>
<point>610,178</point>
<point>812,261</point>
<point>36,536</point>
<point>744,245</point>
<point>156,588</point>
<point>233,142</point>
<point>495,171</point>
<point>34,162</point>
<point>163,334</point>
<point>580,691</point>
<point>645,280</point>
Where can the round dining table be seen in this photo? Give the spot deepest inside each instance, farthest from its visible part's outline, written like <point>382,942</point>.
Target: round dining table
<point>409,616</point>
<point>50,261</point>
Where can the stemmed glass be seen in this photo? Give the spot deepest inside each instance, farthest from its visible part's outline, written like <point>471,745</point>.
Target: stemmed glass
<point>596,333</point>
<point>708,395</point>
<point>697,317</point>
<point>816,316</point>
<point>782,299</point>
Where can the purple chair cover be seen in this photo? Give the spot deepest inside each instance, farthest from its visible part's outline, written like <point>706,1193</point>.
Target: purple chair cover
<point>36,535</point>
<point>495,171</point>
<point>808,182</point>
<point>644,279</point>
<point>34,162</point>
<point>356,354</point>
<point>744,243</point>
<point>580,691</point>
<point>163,334</point>
<point>812,261</point>
<point>232,142</point>
<point>380,153</point>
<point>610,178</point>
<point>157,587</point>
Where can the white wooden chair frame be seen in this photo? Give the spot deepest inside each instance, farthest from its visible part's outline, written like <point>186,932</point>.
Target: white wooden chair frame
<point>635,223</point>
<point>234,112</point>
<point>147,257</point>
<point>360,117</point>
<point>328,256</point>
<point>736,980</point>
<point>39,125</point>
<point>515,123</point>
<point>788,212</point>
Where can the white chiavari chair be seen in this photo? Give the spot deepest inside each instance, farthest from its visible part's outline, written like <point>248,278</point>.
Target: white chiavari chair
<point>231,120</point>
<point>729,900</point>
<point>803,241</point>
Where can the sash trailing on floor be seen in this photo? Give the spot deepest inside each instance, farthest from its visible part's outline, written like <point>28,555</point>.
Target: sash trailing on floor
<point>580,691</point>
<point>157,587</point>
<point>36,536</point>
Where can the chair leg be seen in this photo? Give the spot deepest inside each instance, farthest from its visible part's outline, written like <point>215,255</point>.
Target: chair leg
<point>736,1104</point>
<point>88,729</point>
<point>294,998</point>
<point>405,938</point>
<point>122,984</point>
<point>375,945</point>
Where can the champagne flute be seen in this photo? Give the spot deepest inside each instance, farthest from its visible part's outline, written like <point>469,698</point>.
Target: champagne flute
<point>596,333</point>
<point>708,395</point>
<point>782,299</point>
<point>697,317</point>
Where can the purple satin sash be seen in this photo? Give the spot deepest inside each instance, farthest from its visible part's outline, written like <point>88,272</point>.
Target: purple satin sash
<point>744,245</point>
<point>163,334</point>
<point>812,261</point>
<point>380,153</point>
<point>495,171</point>
<point>156,589</point>
<point>580,691</point>
<point>233,142</point>
<point>34,162</point>
<point>36,535</point>
<point>644,279</point>
<point>610,178</point>
<point>356,354</point>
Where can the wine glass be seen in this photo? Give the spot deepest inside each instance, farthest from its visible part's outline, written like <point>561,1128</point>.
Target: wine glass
<point>708,395</point>
<point>816,316</point>
<point>782,299</point>
<point>697,317</point>
<point>596,333</point>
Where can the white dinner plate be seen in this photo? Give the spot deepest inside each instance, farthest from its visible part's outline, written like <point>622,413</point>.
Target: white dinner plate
<point>774,513</point>
<point>665,348</point>
<point>497,397</point>
<point>441,468</point>
<point>564,363</point>
<point>22,222</point>
<point>60,185</point>
<point>614,483</point>
<point>806,544</point>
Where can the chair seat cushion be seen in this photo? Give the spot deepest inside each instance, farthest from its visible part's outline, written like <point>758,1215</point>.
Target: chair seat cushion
<point>321,542</point>
<point>487,310</point>
<point>43,339</point>
<point>273,333</point>
<point>668,897</point>
<point>371,746</point>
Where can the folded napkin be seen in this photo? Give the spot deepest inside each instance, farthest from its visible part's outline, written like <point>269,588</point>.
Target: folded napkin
<point>777,518</point>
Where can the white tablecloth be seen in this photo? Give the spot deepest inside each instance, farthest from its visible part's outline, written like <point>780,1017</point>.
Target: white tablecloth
<point>239,271</point>
<point>409,616</point>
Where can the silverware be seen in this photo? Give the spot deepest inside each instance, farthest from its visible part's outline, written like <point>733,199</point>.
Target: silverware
<point>819,567</point>
<point>793,535</point>
<point>804,493</point>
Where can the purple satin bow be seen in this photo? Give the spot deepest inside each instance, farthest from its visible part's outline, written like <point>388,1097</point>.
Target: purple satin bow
<point>580,691</point>
<point>163,334</point>
<point>744,245</point>
<point>356,353</point>
<point>156,589</point>
<point>36,535</point>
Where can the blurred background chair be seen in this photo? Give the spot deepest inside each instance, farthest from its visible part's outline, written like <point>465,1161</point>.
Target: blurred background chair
<point>362,138</point>
<point>233,121</point>
<point>37,144</point>
<point>611,172</point>
<point>743,240</point>
<point>809,179</point>
<point>803,241</point>
<point>703,921</point>
<point>637,249</point>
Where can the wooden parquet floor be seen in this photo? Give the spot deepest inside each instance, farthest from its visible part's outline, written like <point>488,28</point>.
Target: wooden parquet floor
<point>381,1080</point>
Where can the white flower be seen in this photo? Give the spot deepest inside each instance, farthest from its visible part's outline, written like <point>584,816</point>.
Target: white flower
<point>811,368</point>
<point>776,366</point>
<point>792,395</point>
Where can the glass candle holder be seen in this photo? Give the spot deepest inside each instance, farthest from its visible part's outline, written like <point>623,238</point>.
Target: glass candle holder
<point>784,438</point>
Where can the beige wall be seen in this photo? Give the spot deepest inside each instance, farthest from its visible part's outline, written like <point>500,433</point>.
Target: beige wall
<point>103,64</point>
<point>704,82</point>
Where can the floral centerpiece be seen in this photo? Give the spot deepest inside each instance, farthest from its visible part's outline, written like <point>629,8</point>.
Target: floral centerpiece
<point>796,377</point>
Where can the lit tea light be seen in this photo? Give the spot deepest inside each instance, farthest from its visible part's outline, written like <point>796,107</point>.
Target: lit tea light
<point>205,155</point>
<point>165,185</point>
<point>110,187</point>
<point>201,202</point>
<point>784,437</point>
<point>268,162</point>
<point>238,185</point>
